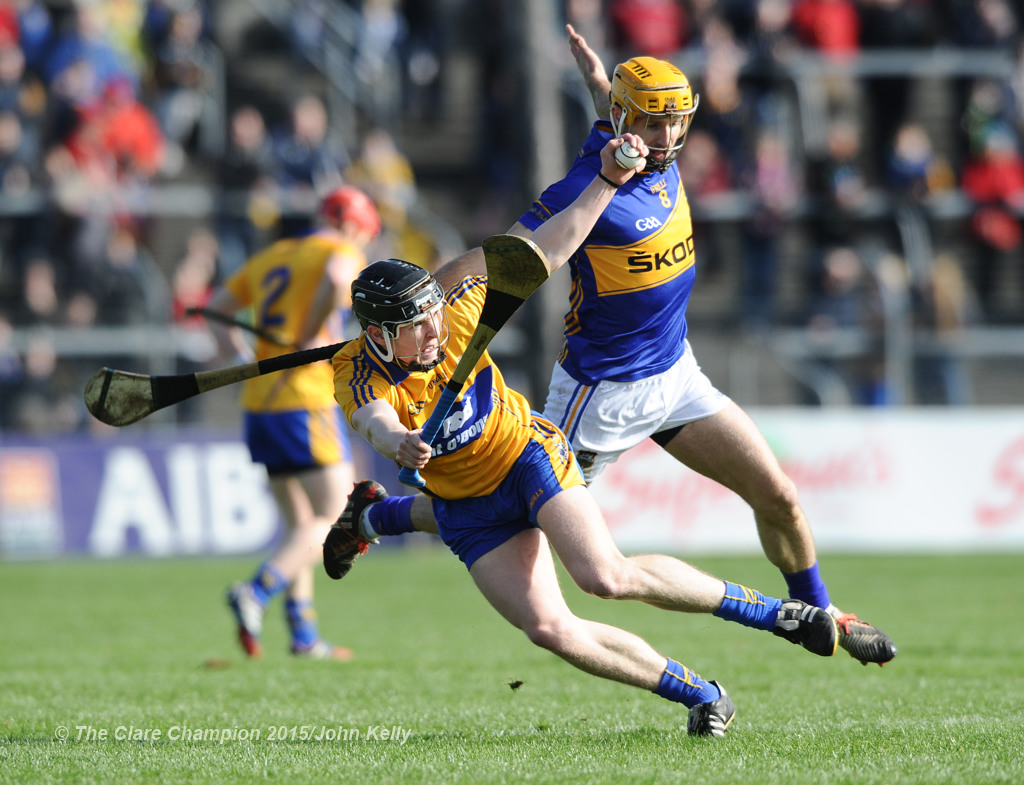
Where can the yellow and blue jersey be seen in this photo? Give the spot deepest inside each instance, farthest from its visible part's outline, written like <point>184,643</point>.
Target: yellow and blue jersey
<point>632,277</point>
<point>280,285</point>
<point>490,424</point>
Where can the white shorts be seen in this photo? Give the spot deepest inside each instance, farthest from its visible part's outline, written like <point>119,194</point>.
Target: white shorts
<point>605,420</point>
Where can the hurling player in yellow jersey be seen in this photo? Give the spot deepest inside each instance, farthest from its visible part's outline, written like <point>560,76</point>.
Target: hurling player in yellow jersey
<point>297,289</point>
<point>503,484</point>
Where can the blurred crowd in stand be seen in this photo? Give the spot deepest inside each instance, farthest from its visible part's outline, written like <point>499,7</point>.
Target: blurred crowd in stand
<point>103,102</point>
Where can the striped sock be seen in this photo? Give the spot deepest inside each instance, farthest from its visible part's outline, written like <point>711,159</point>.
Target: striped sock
<point>267,583</point>
<point>682,685</point>
<point>302,622</point>
<point>748,607</point>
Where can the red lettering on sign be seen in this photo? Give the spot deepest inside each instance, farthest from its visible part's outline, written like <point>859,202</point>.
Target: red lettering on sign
<point>1008,474</point>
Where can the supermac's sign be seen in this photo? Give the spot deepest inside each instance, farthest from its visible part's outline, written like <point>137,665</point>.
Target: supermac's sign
<point>946,480</point>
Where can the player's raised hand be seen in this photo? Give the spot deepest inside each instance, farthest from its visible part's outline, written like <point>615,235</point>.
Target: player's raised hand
<point>595,77</point>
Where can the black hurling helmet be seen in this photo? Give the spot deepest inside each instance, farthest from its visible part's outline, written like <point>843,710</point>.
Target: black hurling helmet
<point>392,294</point>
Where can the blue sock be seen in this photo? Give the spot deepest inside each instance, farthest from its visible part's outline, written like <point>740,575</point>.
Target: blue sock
<point>682,685</point>
<point>748,607</point>
<point>807,585</point>
<point>302,622</point>
<point>267,583</point>
<point>392,516</point>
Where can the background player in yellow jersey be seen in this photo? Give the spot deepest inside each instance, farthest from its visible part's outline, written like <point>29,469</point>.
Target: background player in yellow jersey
<point>298,289</point>
<point>504,485</point>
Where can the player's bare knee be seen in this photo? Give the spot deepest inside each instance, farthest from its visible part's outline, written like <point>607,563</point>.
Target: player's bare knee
<point>550,634</point>
<point>781,505</point>
<point>609,582</point>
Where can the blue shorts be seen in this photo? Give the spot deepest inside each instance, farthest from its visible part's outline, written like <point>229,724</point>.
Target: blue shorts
<point>477,525</point>
<point>292,441</point>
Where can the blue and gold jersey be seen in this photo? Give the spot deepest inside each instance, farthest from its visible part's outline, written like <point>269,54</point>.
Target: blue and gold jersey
<point>280,284</point>
<point>489,425</point>
<point>631,278</point>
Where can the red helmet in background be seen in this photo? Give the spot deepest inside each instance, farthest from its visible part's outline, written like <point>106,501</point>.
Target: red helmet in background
<point>350,204</point>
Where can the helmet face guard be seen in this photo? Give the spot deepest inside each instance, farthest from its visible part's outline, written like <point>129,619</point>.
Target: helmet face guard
<point>645,88</point>
<point>393,294</point>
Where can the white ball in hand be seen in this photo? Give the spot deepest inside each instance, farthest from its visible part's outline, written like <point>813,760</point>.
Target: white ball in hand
<point>628,157</point>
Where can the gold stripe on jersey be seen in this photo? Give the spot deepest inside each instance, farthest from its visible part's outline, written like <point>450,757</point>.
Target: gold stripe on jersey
<point>572,322</point>
<point>562,353</point>
<point>649,263</point>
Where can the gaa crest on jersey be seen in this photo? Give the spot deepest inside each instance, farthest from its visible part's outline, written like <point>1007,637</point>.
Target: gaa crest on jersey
<point>562,451</point>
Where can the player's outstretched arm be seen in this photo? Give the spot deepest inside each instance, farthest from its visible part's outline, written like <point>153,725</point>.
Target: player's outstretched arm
<point>378,423</point>
<point>563,233</point>
<point>468,264</point>
<point>595,77</point>
<point>471,262</point>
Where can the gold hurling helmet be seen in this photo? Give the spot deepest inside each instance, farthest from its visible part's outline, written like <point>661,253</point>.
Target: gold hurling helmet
<point>645,87</point>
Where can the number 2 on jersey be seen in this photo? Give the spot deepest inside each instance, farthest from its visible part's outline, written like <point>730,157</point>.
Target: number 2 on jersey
<point>275,283</point>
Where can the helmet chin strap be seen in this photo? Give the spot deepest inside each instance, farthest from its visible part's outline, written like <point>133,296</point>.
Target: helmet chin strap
<point>387,353</point>
<point>617,125</point>
<point>420,367</point>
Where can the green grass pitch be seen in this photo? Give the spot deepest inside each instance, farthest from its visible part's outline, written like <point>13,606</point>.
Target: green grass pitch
<point>108,650</point>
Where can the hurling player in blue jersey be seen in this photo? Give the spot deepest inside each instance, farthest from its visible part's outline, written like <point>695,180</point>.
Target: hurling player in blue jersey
<point>626,371</point>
